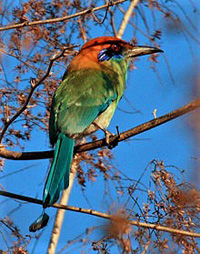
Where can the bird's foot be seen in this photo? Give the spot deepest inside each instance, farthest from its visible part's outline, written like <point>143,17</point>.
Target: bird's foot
<point>108,135</point>
<point>110,142</point>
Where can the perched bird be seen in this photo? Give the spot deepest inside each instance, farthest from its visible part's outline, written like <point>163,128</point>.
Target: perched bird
<point>84,102</point>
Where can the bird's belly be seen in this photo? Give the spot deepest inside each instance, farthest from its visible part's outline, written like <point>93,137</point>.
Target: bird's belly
<point>102,121</point>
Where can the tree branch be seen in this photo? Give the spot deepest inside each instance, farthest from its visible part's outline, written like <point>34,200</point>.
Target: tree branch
<point>101,215</point>
<point>126,17</point>
<point>34,85</point>
<point>64,18</point>
<point>100,143</point>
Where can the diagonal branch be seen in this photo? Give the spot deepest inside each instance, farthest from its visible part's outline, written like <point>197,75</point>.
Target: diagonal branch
<point>101,215</point>
<point>100,143</point>
<point>34,84</point>
<point>126,17</point>
<point>64,18</point>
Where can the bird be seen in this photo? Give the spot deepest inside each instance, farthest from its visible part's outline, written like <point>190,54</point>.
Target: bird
<point>84,102</point>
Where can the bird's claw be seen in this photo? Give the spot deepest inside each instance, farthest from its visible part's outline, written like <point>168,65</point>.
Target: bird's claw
<point>108,136</point>
<point>111,143</point>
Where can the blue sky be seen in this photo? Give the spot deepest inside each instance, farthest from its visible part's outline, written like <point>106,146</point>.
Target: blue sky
<point>172,143</point>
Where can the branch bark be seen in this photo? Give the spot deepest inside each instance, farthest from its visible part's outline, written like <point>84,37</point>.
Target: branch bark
<point>126,18</point>
<point>101,215</point>
<point>7,154</point>
<point>64,18</point>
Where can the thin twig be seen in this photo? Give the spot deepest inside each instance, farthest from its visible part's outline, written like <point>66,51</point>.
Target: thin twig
<point>34,85</point>
<point>64,18</point>
<point>105,15</point>
<point>126,17</point>
<point>101,215</point>
<point>7,154</point>
<point>146,247</point>
<point>113,23</point>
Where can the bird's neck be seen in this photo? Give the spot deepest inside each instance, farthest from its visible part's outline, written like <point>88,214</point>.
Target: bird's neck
<point>114,70</point>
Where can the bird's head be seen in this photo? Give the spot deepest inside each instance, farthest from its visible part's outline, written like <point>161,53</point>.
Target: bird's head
<point>104,49</point>
<point>113,47</point>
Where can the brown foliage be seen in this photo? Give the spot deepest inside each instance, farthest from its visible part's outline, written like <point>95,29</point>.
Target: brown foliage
<point>26,52</point>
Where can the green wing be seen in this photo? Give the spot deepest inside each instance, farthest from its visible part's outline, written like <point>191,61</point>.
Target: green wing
<point>79,100</point>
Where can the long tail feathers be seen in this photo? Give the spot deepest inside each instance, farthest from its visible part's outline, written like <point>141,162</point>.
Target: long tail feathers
<point>58,177</point>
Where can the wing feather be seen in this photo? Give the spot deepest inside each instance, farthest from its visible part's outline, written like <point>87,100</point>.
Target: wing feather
<point>79,100</point>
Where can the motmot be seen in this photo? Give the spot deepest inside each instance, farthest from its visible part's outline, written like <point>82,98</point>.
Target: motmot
<point>84,102</point>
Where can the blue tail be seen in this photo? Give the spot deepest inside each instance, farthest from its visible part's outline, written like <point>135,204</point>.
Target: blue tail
<point>58,176</point>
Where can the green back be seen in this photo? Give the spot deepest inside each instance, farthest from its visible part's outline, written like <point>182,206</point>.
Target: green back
<point>83,95</point>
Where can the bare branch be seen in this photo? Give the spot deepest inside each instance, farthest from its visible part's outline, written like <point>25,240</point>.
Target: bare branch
<point>141,128</point>
<point>34,85</point>
<point>146,247</point>
<point>101,215</point>
<point>126,17</point>
<point>100,143</point>
<point>55,20</point>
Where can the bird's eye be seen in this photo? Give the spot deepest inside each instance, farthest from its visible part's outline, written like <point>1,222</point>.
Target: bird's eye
<point>114,51</point>
<point>115,48</point>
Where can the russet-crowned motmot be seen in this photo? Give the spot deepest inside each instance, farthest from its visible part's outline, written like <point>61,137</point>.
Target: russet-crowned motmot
<point>84,102</point>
